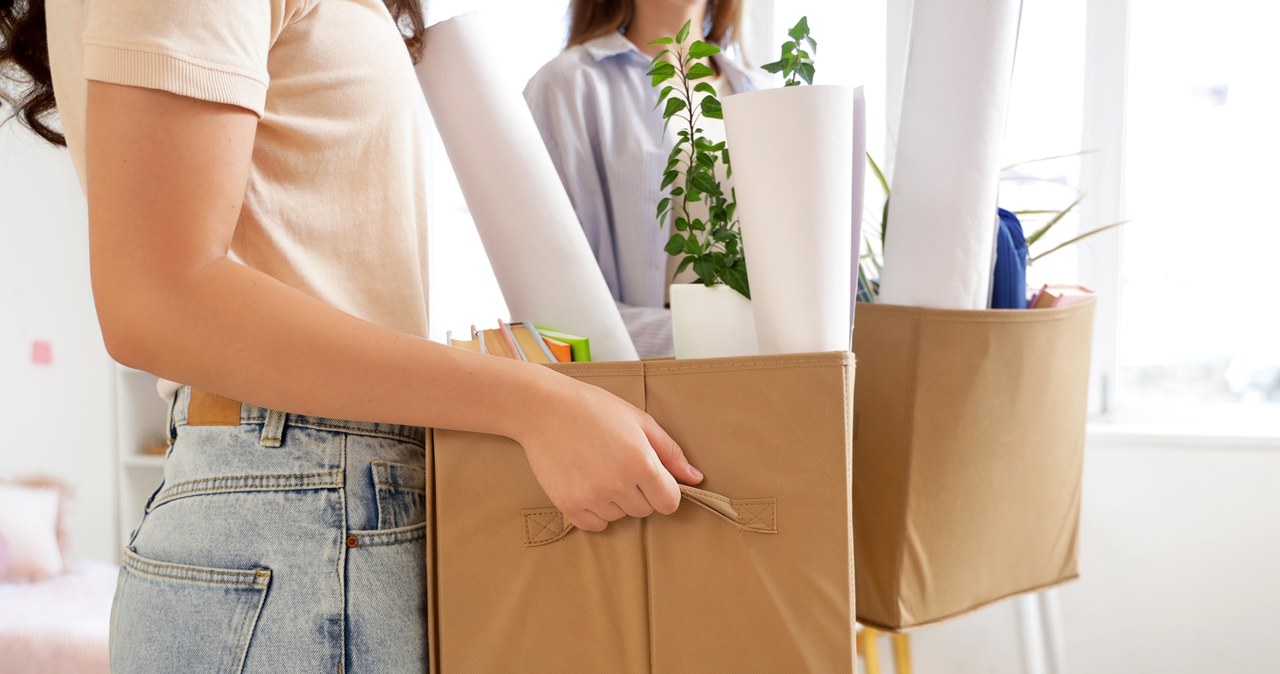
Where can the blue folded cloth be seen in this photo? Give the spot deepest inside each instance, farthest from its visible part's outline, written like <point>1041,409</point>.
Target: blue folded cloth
<point>1009,280</point>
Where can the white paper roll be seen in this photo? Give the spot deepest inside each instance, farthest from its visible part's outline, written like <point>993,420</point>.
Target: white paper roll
<point>859,189</point>
<point>940,244</point>
<point>530,232</point>
<point>792,150</point>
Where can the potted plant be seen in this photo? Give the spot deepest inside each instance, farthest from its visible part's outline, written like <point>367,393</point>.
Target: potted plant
<point>794,151</point>
<point>712,317</point>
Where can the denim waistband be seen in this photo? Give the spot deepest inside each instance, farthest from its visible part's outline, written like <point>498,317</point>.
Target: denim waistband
<point>252,414</point>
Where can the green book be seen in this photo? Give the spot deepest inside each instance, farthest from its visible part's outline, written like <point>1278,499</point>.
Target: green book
<point>581,346</point>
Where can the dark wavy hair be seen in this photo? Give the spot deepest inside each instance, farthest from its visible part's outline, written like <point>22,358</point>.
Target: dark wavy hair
<point>24,59</point>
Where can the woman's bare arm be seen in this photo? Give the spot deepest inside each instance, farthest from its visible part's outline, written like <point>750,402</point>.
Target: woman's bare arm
<point>166,181</point>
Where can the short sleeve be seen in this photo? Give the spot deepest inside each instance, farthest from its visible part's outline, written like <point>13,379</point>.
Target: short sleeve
<point>211,50</point>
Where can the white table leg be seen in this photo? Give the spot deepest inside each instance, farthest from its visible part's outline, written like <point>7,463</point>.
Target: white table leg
<point>1030,634</point>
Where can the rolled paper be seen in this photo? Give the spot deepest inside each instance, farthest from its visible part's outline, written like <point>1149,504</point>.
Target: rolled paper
<point>940,238</point>
<point>859,189</point>
<point>793,153</point>
<point>526,222</point>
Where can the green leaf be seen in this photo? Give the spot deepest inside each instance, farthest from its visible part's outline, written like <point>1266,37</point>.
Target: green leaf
<point>725,235</point>
<point>806,72</point>
<point>775,67</point>
<point>1035,236</point>
<point>800,30</point>
<point>674,105</point>
<point>813,44</point>
<point>1078,239</point>
<point>684,264</point>
<point>668,178</point>
<point>666,91</point>
<point>736,277</point>
<point>698,71</point>
<point>659,78</point>
<point>662,67</point>
<point>1081,153</point>
<point>701,50</point>
<point>788,48</point>
<point>660,57</point>
<point>663,206</point>
<point>692,246</point>
<point>661,40</point>
<point>706,88</point>
<point>705,268</point>
<point>683,34</point>
<point>682,225</point>
<point>711,108</point>
<point>705,183</point>
<point>698,225</point>
<point>884,222</point>
<point>675,244</point>
<point>677,191</point>
<point>879,174</point>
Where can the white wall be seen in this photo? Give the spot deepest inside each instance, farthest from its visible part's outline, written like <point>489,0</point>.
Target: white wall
<point>1179,564</point>
<point>57,418</point>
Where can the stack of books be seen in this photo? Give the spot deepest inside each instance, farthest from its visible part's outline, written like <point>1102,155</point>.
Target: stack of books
<point>1050,296</point>
<point>523,341</point>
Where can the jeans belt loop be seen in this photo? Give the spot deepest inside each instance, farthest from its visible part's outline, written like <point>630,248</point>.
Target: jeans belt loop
<point>273,429</point>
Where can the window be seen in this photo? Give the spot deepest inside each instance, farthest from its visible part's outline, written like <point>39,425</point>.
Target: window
<point>1200,319</point>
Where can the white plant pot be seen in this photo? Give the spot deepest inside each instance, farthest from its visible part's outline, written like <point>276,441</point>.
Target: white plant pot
<point>711,322</point>
<point>793,152</point>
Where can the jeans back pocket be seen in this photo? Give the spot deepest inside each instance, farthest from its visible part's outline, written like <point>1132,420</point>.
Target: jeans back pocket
<point>401,494</point>
<point>180,618</point>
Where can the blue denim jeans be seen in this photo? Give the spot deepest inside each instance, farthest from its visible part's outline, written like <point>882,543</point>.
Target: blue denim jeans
<point>284,544</point>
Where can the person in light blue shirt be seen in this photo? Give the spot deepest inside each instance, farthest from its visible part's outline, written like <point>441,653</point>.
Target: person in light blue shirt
<point>595,109</point>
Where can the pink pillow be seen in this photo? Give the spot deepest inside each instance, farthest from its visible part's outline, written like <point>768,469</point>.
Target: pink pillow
<point>4,557</point>
<point>29,524</point>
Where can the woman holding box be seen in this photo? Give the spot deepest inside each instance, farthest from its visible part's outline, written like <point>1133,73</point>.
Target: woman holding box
<point>254,177</point>
<point>595,109</point>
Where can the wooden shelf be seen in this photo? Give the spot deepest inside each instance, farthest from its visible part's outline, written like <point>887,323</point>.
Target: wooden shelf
<point>143,461</point>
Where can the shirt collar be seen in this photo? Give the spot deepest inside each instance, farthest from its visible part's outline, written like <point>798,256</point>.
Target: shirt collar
<point>608,45</point>
<point>615,43</point>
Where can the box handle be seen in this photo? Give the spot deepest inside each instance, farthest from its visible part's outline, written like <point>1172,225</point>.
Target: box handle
<point>754,515</point>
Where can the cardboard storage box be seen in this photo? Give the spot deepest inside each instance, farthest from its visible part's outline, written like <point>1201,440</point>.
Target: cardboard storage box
<point>754,572</point>
<point>968,453</point>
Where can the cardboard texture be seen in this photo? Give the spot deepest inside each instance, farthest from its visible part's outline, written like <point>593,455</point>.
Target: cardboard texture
<point>754,572</point>
<point>968,455</point>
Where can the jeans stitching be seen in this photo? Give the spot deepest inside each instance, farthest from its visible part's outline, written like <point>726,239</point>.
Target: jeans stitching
<point>249,578</point>
<point>379,537</point>
<point>238,483</point>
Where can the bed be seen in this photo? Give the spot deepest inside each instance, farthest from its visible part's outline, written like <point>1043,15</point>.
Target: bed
<point>58,625</point>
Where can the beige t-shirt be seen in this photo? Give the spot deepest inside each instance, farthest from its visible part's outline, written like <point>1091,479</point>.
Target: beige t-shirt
<point>335,205</point>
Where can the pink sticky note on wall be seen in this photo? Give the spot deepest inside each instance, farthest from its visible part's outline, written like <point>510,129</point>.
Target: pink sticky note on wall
<point>41,352</point>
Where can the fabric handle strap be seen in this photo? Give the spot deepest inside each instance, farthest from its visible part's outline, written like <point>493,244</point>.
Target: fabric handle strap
<point>758,515</point>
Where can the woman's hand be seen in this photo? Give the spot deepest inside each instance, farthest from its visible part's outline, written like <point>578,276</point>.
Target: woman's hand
<point>600,459</point>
